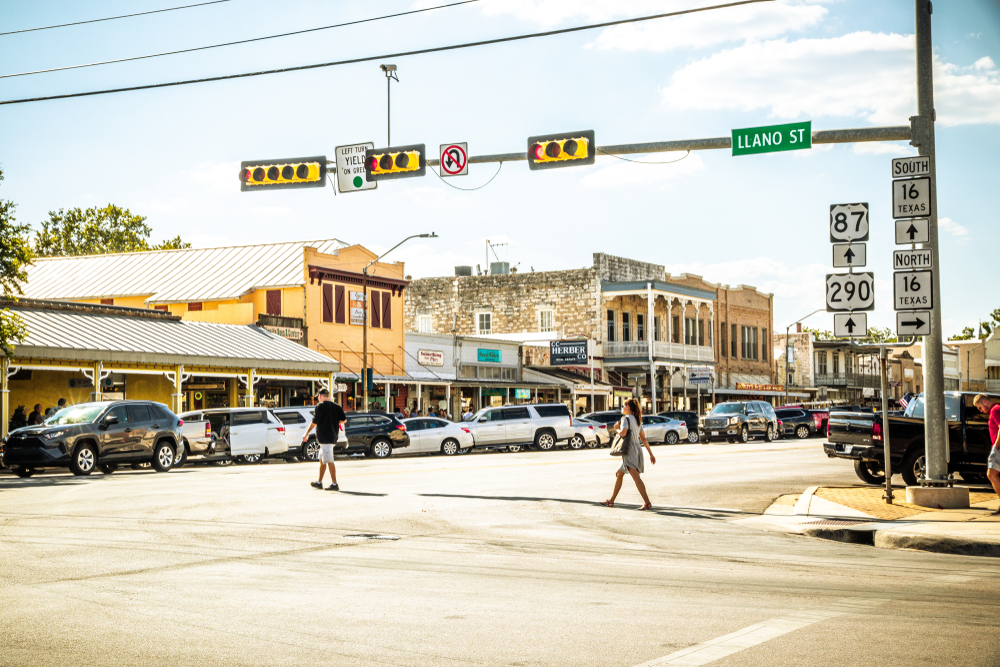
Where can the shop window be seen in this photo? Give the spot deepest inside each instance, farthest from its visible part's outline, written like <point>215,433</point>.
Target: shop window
<point>626,327</point>
<point>485,324</point>
<point>640,327</point>
<point>107,302</point>
<point>468,371</point>
<point>545,320</point>
<point>194,306</point>
<point>425,324</point>
<point>611,326</point>
<point>375,309</point>
<point>272,300</point>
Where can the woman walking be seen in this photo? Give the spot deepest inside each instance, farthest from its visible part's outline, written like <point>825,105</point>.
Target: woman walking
<point>630,430</point>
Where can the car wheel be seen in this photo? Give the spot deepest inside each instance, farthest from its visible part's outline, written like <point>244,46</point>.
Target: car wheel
<point>181,458</point>
<point>671,438</point>
<point>914,466</point>
<point>593,444</point>
<point>449,447</point>
<point>25,473</point>
<point>163,456</point>
<point>381,449</point>
<point>693,437</point>
<point>769,435</point>
<point>869,472</point>
<point>545,441</point>
<point>250,459</point>
<point>310,450</point>
<point>577,442</point>
<point>108,468</point>
<point>84,460</point>
<point>802,432</point>
<point>745,434</point>
<point>514,448</point>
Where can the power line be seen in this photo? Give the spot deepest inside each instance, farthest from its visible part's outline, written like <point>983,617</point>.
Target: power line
<point>400,54</point>
<point>599,150</point>
<point>469,189</point>
<point>112,18</point>
<point>242,41</point>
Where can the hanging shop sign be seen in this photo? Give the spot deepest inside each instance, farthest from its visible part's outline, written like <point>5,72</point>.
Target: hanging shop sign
<point>430,357</point>
<point>358,308</point>
<point>524,394</point>
<point>494,391</point>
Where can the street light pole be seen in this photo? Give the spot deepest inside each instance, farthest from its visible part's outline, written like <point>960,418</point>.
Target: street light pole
<point>390,74</point>
<point>364,327</point>
<point>787,346</point>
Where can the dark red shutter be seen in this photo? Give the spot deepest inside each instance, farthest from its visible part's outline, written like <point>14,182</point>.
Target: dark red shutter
<point>386,310</point>
<point>327,302</point>
<point>274,302</point>
<point>194,305</point>
<point>164,308</point>
<point>107,302</point>
<point>340,306</point>
<point>376,309</point>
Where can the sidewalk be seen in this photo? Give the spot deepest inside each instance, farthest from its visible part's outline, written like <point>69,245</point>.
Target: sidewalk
<point>859,515</point>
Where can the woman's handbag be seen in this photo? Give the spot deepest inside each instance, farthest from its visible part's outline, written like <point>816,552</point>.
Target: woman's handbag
<point>619,447</point>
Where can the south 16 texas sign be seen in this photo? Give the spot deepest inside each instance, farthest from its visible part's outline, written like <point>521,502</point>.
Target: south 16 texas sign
<point>912,284</point>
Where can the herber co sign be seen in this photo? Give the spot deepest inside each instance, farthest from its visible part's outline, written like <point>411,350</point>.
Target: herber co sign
<point>430,357</point>
<point>568,353</point>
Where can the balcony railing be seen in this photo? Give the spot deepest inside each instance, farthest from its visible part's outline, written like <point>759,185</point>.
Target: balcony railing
<point>993,385</point>
<point>847,380</point>
<point>661,350</point>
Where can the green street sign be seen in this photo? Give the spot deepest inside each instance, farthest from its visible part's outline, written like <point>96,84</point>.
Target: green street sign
<point>773,138</point>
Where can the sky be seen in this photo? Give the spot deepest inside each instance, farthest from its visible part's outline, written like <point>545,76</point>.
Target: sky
<point>173,154</point>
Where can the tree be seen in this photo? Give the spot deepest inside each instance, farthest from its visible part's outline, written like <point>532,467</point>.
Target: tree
<point>873,335</point>
<point>968,333</point>
<point>15,255</point>
<point>97,231</point>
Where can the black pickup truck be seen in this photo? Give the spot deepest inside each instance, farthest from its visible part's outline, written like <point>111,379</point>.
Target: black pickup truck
<point>858,436</point>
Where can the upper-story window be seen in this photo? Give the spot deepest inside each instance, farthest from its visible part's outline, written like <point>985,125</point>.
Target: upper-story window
<point>545,320</point>
<point>836,362</point>
<point>764,343</point>
<point>272,300</point>
<point>484,324</point>
<point>626,327</point>
<point>676,337</point>
<point>194,305</point>
<point>656,327</point>
<point>611,326</point>
<point>821,362</point>
<point>722,340</point>
<point>750,343</point>
<point>640,327</point>
<point>425,324</point>
<point>733,342</point>
<point>380,309</point>
<point>690,331</point>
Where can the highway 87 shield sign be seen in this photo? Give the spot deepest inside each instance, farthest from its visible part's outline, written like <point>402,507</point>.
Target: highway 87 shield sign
<point>849,222</point>
<point>850,291</point>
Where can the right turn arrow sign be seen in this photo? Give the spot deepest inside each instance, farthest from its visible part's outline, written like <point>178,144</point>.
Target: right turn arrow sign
<point>913,323</point>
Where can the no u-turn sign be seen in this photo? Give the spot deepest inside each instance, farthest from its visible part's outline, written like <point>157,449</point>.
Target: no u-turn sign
<point>455,159</point>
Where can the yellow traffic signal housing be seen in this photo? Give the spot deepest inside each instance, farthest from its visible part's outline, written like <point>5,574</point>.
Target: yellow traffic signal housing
<point>383,164</point>
<point>308,172</point>
<point>562,150</point>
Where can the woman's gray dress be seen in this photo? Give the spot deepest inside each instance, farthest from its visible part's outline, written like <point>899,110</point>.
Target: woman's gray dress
<point>634,458</point>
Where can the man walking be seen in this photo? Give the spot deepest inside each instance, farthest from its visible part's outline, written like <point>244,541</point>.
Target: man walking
<point>326,419</point>
<point>991,407</point>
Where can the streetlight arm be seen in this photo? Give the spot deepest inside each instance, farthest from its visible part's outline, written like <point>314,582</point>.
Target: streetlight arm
<point>432,235</point>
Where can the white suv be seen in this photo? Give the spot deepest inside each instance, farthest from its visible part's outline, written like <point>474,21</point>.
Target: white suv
<point>516,426</point>
<point>253,433</point>
<point>296,421</point>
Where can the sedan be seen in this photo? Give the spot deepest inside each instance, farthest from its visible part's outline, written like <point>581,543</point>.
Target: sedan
<point>600,429</point>
<point>585,435</point>
<point>663,429</point>
<point>433,435</point>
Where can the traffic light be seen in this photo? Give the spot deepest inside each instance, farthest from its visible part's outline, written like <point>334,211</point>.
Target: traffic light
<point>383,164</point>
<point>300,172</point>
<point>561,150</point>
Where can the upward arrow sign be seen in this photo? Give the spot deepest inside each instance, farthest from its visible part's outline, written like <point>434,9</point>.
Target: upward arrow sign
<point>850,255</point>
<point>850,322</point>
<point>912,231</point>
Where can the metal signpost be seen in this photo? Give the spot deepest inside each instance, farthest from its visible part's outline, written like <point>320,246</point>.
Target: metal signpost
<point>350,162</point>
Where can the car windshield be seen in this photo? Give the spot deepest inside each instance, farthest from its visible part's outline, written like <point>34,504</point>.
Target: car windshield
<point>77,414</point>
<point>916,408</point>
<point>728,409</point>
<point>479,414</point>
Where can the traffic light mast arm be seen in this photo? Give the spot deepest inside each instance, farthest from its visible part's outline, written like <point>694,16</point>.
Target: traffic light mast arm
<point>846,136</point>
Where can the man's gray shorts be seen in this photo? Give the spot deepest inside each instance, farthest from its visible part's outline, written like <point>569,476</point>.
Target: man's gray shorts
<point>994,460</point>
<point>325,453</point>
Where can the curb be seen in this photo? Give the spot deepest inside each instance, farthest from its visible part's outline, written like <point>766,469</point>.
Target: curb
<point>893,539</point>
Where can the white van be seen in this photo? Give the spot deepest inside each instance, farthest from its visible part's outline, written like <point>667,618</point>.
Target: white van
<point>253,434</point>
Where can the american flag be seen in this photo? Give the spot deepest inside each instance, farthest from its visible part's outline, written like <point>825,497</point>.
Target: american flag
<point>905,400</point>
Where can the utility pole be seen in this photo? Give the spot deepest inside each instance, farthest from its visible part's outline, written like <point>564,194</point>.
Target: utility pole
<point>922,136</point>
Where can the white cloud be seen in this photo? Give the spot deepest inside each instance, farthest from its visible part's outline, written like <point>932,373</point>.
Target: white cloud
<point>622,174</point>
<point>862,74</point>
<point>217,176</point>
<point>895,148</point>
<point>953,228</point>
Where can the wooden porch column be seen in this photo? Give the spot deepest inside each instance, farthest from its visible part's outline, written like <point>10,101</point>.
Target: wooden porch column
<point>178,406</point>
<point>5,394</point>
<point>96,394</point>
<point>233,385</point>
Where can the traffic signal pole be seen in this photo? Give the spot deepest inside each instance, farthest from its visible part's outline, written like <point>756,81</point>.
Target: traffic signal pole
<point>935,430</point>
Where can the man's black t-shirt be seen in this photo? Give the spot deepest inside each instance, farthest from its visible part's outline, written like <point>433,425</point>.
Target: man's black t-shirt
<point>327,418</point>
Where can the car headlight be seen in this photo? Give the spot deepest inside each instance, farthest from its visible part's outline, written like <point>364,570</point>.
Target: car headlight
<point>53,435</point>
<point>733,421</point>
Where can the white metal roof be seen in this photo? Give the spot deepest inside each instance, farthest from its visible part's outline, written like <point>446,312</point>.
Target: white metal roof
<point>171,276</point>
<point>85,336</point>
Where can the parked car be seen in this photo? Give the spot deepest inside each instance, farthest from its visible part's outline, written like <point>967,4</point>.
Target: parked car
<point>375,434</point>
<point>689,418</point>
<point>296,422</point>
<point>517,426</point>
<point>739,421</point>
<point>249,434</point>
<point>858,436</point>
<point>433,435</point>
<point>600,430</point>
<point>585,435</point>
<point>197,439</point>
<point>609,418</point>
<point>662,429</point>
<point>797,422</point>
<point>820,416</point>
<point>97,436</point>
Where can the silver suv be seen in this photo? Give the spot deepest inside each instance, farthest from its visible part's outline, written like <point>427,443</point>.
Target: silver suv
<point>516,426</point>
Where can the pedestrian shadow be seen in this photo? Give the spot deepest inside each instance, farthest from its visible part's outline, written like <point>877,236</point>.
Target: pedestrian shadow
<point>362,493</point>
<point>678,512</point>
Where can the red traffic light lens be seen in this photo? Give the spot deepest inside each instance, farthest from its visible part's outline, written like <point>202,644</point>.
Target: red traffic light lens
<point>302,171</point>
<point>287,172</point>
<point>273,173</point>
<point>553,149</point>
<point>539,151</point>
<point>258,174</point>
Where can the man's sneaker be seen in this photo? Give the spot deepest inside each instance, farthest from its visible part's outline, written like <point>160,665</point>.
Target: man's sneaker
<point>316,485</point>
<point>333,487</point>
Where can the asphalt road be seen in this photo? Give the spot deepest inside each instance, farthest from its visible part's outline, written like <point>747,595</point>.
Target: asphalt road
<point>494,559</point>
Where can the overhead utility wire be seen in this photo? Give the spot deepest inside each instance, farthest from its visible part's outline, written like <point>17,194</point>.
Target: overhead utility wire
<point>112,18</point>
<point>400,54</point>
<point>242,41</point>
<point>600,150</point>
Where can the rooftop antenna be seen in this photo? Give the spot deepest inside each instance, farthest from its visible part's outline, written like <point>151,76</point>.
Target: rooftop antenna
<point>493,247</point>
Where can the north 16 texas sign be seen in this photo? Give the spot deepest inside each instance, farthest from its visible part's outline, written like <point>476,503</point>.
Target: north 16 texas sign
<point>772,138</point>
<point>568,353</point>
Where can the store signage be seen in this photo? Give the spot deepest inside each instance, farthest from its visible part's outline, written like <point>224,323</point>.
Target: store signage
<point>358,308</point>
<point>745,386</point>
<point>489,356</point>
<point>622,392</point>
<point>291,333</point>
<point>206,386</point>
<point>700,375</point>
<point>568,353</point>
<point>494,391</point>
<point>430,357</point>
<point>522,394</point>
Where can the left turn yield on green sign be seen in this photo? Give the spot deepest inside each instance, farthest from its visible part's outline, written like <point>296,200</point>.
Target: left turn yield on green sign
<point>772,138</point>
<point>351,168</point>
